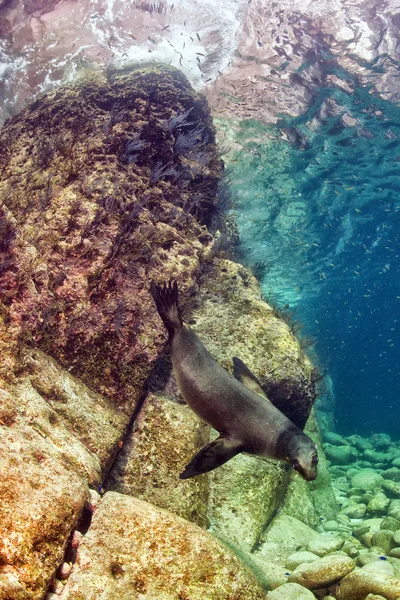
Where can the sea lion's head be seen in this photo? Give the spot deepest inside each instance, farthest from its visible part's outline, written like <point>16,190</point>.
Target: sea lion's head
<point>304,458</point>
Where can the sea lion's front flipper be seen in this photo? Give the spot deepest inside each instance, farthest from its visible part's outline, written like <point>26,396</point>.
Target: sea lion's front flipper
<point>212,456</point>
<point>243,374</point>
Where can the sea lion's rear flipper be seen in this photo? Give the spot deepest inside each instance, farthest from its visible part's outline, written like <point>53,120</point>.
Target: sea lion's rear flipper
<point>243,374</point>
<point>166,299</point>
<point>212,456</point>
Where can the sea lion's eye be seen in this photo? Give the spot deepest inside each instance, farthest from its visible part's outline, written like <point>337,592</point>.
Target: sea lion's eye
<point>295,464</point>
<point>315,459</point>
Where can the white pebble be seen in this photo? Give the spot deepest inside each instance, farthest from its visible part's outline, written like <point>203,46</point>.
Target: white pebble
<point>65,570</point>
<point>76,539</point>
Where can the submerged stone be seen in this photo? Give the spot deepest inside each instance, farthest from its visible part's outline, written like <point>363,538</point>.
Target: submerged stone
<point>361,582</point>
<point>340,455</point>
<point>367,479</point>
<point>135,549</point>
<point>323,572</point>
<point>290,591</point>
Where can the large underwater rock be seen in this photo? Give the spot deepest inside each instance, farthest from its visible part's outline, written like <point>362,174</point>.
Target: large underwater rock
<point>165,437</point>
<point>134,549</point>
<point>85,224</point>
<point>104,185</point>
<point>107,184</point>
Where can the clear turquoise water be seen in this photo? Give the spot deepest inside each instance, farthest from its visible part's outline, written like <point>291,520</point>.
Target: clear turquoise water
<point>322,211</point>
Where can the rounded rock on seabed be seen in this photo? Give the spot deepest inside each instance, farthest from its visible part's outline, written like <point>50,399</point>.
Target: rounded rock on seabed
<point>331,525</point>
<point>298,558</point>
<point>367,556</point>
<point>382,441</point>
<point>65,570</point>
<point>379,504</point>
<point>384,539</point>
<point>355,511</point>
<point>361,582</point>
<point>380,566</point>
<point>340,455</point>
<point>51,596</point>
<point>367,479</point>
<point>394,509</point>
<point>290,591</point>
<point>395,552</point>
<point>391,488</point>
<point>390,523</point>
<point>324,544</point>
<point>323,572</point>
<point>334,438</point>
<point>57,587</point>
<point>396,538</point>
<point>374,597</point>
<point>76,539</point>
<point>393,474</point>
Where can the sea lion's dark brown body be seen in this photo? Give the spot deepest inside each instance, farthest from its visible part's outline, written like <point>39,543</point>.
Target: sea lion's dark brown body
<point>247,421</point>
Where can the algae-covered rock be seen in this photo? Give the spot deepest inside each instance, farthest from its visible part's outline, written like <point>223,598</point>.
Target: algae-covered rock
<point>324,544</point>
<point>367,479</point>
<point>290,591</point>
<point>164,439</point>
<point>325,503</point>
<point>323,572</point>
<point>300,558</point>
<point>340,455</point>
<point>97,198</point>
<point>42,498</point>
<point>134,549</point>
<point>57,436</point>
<point>360,582</point>
<point>244,495</point>
<point>378,505</point>
<point>391,488</point>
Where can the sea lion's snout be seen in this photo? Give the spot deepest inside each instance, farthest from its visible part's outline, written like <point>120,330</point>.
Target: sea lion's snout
<point>307,463</point>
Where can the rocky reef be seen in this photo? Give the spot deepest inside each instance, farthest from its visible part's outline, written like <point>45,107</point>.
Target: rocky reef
<point>106,184</point>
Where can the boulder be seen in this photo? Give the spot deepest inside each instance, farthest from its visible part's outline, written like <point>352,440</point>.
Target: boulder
<point>334,438</point>
<point>340,455</point>
<point>367,479</point>
<point>391,488</point>
<point>165,437</point>
<point>299,558</point>
<point>393,474</point>
<point>383,539</point>
<point>355,511</point>
<point>376,457</point>
<point>361,582</point>
<point>380,441</point>
<point>390,523</point>
<point>290,591</point>
<point>394,509</point>
<point>378,505</point>
<point>136,549</point>
<point>396,537</point>
<point>324,544</point>
<point>360,443</point>
<point>92,217</point>
<point>58,436</point>
<point>323,572</point>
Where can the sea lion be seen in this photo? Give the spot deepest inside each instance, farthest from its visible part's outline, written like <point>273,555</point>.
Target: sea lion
<point>246,420</point>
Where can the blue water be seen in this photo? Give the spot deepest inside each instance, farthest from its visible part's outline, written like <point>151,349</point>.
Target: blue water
<point>318,203</point>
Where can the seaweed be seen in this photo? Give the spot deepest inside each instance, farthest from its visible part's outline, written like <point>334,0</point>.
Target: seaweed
<point>188,142</point>
<point>159,170</point>
<point>132,150</point>
<point>180,120</point>
<point>44,153</point>
<point>260,269</point>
